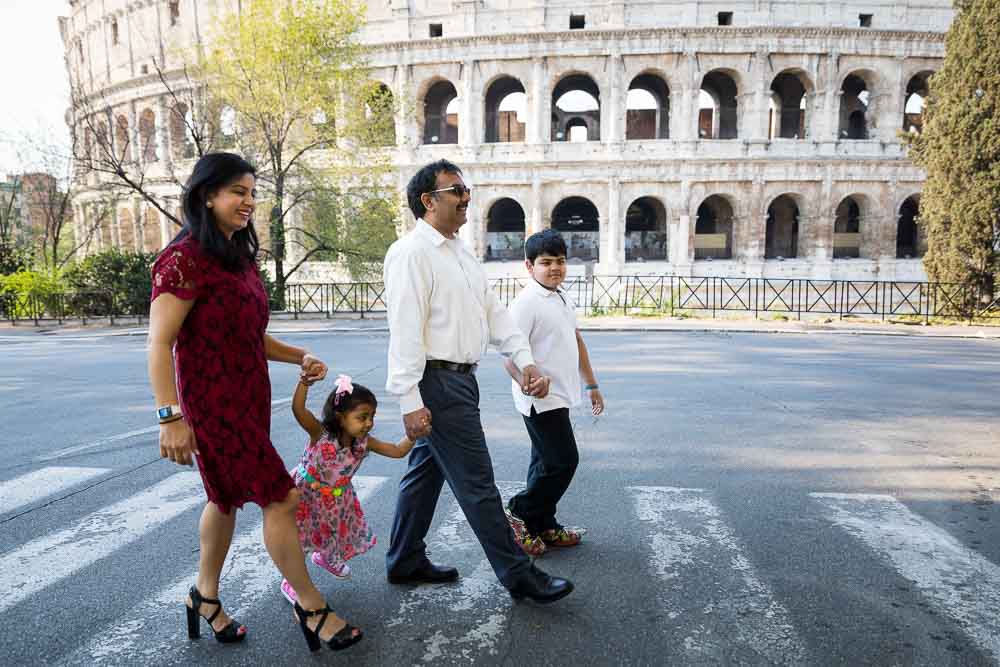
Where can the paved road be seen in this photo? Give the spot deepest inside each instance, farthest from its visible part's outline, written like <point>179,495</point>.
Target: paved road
<point>751,499</point>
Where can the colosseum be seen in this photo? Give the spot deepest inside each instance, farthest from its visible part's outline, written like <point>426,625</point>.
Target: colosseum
<point>710,138</point>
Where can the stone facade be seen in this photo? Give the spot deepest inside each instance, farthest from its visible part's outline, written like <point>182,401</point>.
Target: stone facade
<point>701,138</point>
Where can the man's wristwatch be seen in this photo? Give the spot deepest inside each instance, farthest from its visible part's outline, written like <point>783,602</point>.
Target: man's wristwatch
<point>168,413</point>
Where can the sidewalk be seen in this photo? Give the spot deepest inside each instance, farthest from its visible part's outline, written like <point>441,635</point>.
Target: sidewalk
<point>611,323</point>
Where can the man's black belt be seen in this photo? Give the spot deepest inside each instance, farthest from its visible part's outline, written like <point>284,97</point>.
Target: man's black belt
<point>452,366</point>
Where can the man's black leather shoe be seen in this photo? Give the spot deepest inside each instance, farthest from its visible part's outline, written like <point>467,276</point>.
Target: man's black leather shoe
<point>429,573</point>
<point>541,587</point>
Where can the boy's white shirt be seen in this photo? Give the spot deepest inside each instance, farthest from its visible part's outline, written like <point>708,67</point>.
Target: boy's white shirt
<point>548,319</point>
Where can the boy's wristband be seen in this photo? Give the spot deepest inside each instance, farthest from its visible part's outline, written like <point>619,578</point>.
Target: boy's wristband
<point>591,387</point>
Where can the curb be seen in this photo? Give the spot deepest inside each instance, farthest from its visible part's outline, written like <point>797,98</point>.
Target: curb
<point>590,328</point>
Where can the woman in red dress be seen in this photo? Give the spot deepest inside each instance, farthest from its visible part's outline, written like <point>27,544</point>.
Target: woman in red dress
<point>208,359</point>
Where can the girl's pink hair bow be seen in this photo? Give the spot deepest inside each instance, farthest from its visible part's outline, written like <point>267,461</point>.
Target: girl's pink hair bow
<point>344,386</point>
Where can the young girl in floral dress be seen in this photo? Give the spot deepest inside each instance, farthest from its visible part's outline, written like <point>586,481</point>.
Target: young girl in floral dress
<point>332,526</point>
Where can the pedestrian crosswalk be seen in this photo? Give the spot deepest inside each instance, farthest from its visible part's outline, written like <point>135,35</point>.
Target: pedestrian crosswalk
<point>691,555</point>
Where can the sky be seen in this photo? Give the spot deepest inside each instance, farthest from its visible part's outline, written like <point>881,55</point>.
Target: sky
<point>34,92</point>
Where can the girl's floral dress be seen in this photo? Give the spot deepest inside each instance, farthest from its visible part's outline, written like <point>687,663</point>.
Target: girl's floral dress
<point>329,516</point>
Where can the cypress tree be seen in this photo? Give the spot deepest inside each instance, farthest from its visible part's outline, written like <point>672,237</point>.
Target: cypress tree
<point>960,150</point>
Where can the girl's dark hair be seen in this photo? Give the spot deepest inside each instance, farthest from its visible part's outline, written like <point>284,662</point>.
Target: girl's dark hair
<point>332,408</point>
<point>212,172</point>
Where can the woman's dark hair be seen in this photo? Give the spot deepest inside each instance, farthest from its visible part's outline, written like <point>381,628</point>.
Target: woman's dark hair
<point>545,242</point>
<point>424,181</point>
<point>333,408</point>
<point>212,172</point>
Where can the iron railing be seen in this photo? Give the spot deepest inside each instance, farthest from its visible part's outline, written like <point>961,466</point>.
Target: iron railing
<point>632,294</point>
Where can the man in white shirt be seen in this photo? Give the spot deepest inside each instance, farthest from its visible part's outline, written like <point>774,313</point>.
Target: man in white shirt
<point>442,316</point>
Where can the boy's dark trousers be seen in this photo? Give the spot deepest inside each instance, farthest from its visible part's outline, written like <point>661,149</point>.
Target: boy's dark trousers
<point>554,458</point>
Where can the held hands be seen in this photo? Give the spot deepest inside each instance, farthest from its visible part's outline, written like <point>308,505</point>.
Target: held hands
<point>313,370</point>
<point>177,442</point>
<point>534,383</point>
<point>417,424</point>
<point>596,402</point>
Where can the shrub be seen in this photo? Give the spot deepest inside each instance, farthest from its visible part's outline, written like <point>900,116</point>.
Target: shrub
<point>126,275</point>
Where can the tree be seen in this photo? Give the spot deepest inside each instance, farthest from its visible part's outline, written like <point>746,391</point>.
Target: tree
<point>303,110</point>
<point>959,148</point>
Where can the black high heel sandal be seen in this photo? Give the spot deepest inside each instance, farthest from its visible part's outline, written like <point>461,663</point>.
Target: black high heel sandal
<point>344,638</point>
<point>232,633</point>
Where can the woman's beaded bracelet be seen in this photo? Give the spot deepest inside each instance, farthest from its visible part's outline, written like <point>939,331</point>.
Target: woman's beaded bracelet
<point>591,387</point>
<point>171,419</point>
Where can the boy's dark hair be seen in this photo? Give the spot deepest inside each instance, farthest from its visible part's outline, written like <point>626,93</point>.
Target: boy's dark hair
<point>424,181</point>
<point>545,242</point>
<point>361,395</point>
<point>211,173</point>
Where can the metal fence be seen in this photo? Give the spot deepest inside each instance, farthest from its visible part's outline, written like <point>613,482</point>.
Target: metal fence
<point>669,294</point>
<point>594,295</point>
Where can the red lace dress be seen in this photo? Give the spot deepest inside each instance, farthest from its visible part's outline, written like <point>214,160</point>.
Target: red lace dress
<point>222,377</point>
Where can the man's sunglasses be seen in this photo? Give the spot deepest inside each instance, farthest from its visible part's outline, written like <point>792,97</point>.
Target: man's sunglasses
<point>459,190</point>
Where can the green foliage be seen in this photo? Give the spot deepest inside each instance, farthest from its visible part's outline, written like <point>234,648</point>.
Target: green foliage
<point>125,274</point>
<point>309,117</point>
<point>960,150</point>
<point>353,228</point>
<point>28,294</point>
<point>13,258</point>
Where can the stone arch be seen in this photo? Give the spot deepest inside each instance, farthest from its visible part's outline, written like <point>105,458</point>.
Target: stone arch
<point>380,114</point>
<point>720,119</point>
<point>646,230</point>
<point>911,240</point>
<point>647,104</point>
<point>151,230</point>
<point>914,100</point>
<point>123,140</point>
<point>181,140</point>
<point>227,127</point>
<point>126,229</point>
<point>781,234</point>
<point>147,135</point>
<point>847,230</point>
<point>791,89</point>
<point>578,220</point>
<point>713,228</point>
<point>505,230</point>
<point>506,110</point>
<point>576,97</point>
<point>856,96</point>
<point>441,118</point>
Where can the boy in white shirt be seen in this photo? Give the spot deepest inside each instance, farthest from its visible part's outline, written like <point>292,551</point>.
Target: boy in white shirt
<point>547,316</point>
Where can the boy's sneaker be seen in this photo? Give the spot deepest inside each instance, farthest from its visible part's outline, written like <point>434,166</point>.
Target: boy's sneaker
<point>289,592</point>
<point>341,571</point>
<point>530,544</point>
<point>562,537</point>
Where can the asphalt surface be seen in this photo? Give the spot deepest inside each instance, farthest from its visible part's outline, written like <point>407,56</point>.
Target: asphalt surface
<point>750,499</point>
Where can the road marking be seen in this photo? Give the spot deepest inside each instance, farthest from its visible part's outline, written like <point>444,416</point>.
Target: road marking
<point>46,560</point>
<point>138,636</point>
<point>34,486</point>
<point>477,598</point>
<point>959,582</point>
<point>76,449</point>
<point>727,607</point>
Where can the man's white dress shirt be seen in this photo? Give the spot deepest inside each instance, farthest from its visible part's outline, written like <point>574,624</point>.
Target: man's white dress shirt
<point>440,307</point>
<point>548,319</point>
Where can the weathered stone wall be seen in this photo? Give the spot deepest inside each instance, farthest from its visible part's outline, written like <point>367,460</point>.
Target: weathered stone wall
<point>821,44</point>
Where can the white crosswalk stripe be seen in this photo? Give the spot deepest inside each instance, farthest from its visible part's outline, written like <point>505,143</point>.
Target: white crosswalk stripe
<point>959,582</point>
<point>34,486</point>
<point>477,595</point>
<point>705,579</point>
<point>136,638</point>
<point>690,540</point>
<point>48,559</point>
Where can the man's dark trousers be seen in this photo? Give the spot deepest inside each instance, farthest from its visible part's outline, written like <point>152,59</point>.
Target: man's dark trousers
<point>554,458</point>
<point>455,451</point>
